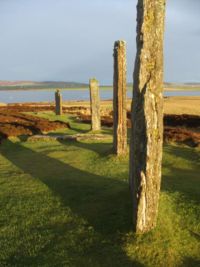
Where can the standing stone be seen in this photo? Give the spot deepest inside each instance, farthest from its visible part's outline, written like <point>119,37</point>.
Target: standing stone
<point>119,99</point>
<point>95,105</point>
<point>58,102</point>
<point>147,115</point>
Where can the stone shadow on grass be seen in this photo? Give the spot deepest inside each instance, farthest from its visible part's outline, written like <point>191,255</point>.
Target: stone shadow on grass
<point>95,198</point>
<point>74,124</point>
<point>179,178</point>
<point>183,152</point>
<point>190,262</point>
<point>102,149</point>
<point>103,202</point>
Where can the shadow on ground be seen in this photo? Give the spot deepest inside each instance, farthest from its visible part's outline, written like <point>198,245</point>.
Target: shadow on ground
<point>178,177</point>
<point>103,202</point>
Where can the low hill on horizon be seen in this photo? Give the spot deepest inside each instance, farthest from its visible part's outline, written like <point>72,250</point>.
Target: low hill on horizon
<point>6,85</point>
<point>31,85</point>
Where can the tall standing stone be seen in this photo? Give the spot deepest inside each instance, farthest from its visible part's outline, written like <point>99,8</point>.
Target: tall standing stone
<point>147,115</point>
<point>58,102</point>
<point>95,105</point>
<point>119,99</point>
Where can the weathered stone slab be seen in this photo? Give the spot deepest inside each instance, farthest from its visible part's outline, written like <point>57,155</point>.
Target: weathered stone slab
<point>119,99</point>
<point>147,115</point>
<point>76,137</point>
<point>58,102</point>
<point>95,105</point>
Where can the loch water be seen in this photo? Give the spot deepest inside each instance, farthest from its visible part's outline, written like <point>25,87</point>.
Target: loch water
<point>20,96</point>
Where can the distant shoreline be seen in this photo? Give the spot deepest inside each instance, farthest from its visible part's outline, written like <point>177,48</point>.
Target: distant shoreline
<point>181,88</point>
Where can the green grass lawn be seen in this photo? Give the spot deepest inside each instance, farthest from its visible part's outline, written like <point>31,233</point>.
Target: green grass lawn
<point>68,204</point>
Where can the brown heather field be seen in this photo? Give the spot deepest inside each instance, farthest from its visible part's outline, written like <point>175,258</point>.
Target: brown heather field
<point>172,105</point>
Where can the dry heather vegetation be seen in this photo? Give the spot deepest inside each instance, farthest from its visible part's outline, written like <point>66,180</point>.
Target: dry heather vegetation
<point>15,121</point>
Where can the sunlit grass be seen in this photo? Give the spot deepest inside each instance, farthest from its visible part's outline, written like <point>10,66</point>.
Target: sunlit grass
<point>68,204</point>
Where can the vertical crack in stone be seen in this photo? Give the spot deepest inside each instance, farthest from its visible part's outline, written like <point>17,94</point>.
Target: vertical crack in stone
<point>142,202</point>
<point>147,115</point>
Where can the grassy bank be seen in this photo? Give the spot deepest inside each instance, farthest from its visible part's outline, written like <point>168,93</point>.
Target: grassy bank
<point>68,204</point>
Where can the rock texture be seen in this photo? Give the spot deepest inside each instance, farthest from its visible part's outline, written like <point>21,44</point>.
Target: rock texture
<point>58,103</point>
<point>119,99</point>
<point>95,105</point>
<point>75,137</point>
<point>147,115</point>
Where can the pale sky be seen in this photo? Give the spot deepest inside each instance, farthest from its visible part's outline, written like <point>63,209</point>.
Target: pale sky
<point>72,40</point>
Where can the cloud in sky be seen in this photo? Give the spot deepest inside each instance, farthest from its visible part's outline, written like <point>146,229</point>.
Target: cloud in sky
<point>73,40</point>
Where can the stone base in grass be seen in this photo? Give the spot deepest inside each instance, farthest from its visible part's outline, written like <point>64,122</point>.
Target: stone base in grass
<point>75,137</point>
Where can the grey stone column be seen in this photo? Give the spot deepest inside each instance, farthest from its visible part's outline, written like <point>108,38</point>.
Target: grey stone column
<point>58,102</point>
<point>95,105</point>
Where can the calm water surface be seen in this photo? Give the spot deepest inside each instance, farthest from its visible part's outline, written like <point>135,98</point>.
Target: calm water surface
<point>72,94</point>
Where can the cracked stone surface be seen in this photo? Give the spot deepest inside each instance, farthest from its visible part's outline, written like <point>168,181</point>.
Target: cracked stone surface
<point>119,99</point>
<point>75,137</point>
<point>147,115</point>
